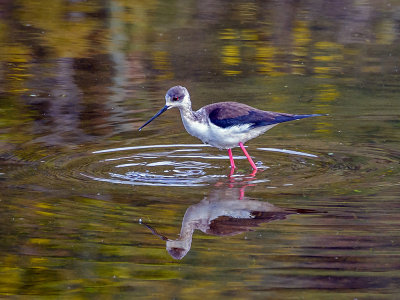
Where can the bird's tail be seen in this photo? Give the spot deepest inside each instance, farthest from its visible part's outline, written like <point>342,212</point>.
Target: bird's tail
<point>298,117</point>
<point>282,117</point>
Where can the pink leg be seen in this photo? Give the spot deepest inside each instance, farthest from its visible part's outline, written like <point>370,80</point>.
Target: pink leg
<point>231,159</point>
<point>253,173</point>
<point>248,156</point>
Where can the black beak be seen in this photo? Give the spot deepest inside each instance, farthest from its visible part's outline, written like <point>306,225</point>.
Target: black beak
<point>155,116</point>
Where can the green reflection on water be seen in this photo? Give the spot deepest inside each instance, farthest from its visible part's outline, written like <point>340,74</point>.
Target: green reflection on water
<point>81,76</point>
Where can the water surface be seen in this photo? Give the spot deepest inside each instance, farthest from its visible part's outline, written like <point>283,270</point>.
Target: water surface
<point>85,196</point>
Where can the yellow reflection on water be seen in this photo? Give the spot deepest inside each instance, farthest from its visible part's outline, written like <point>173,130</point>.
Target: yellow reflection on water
<point>238,48</point>
<point>228,34</point>
<point>249,35</point>
<point>301,41</point>
<point>65,27</point>
<point>328,57</point>
<point>162,64</point>
<point>386,32</point>
<point>266,60</point>
<point>326,95</point>
<point>230,57</point>
<point>301,37</point>
<point>17,57</point>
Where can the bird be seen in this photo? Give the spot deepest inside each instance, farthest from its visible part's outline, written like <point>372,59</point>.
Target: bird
<point>224,125</point>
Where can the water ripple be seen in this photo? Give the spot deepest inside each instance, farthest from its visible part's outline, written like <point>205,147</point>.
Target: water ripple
<point>174,165</point>
<point>190,165</point>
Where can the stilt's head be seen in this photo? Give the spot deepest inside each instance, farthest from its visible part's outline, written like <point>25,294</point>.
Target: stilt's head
<point>177,96</point>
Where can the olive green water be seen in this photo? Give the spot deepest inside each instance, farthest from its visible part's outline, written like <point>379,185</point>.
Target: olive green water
<point>83,194</point>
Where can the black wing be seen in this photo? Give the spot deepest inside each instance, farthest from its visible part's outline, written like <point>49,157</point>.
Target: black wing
<point>227,114</point>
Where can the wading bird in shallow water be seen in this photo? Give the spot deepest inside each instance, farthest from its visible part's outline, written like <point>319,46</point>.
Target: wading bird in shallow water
<point>224,125</point>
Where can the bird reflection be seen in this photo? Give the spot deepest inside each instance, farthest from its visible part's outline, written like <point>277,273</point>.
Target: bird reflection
<point>224,212</point>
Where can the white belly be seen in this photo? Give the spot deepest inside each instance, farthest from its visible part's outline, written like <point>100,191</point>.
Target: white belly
<point>223,138</point>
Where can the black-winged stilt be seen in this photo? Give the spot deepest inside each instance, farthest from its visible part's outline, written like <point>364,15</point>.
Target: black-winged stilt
<point>224,125</point>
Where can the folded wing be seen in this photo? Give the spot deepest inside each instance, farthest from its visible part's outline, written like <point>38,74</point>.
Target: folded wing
<point>227,114</point>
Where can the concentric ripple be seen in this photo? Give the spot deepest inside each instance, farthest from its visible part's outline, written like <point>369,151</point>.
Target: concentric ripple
<point>168,165</point>
<point>180,165</point>
<point>286,170</point>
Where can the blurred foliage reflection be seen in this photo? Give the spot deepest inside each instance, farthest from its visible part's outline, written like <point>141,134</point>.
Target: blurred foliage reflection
<point>78,77</point>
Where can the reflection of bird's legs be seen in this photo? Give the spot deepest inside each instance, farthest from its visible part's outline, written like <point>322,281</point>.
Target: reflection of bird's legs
<point>246,184</point>
<point>241,191</point>
<point>233,181</point>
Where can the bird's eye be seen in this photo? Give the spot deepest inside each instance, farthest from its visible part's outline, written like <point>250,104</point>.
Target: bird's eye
<point>175,98</point>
